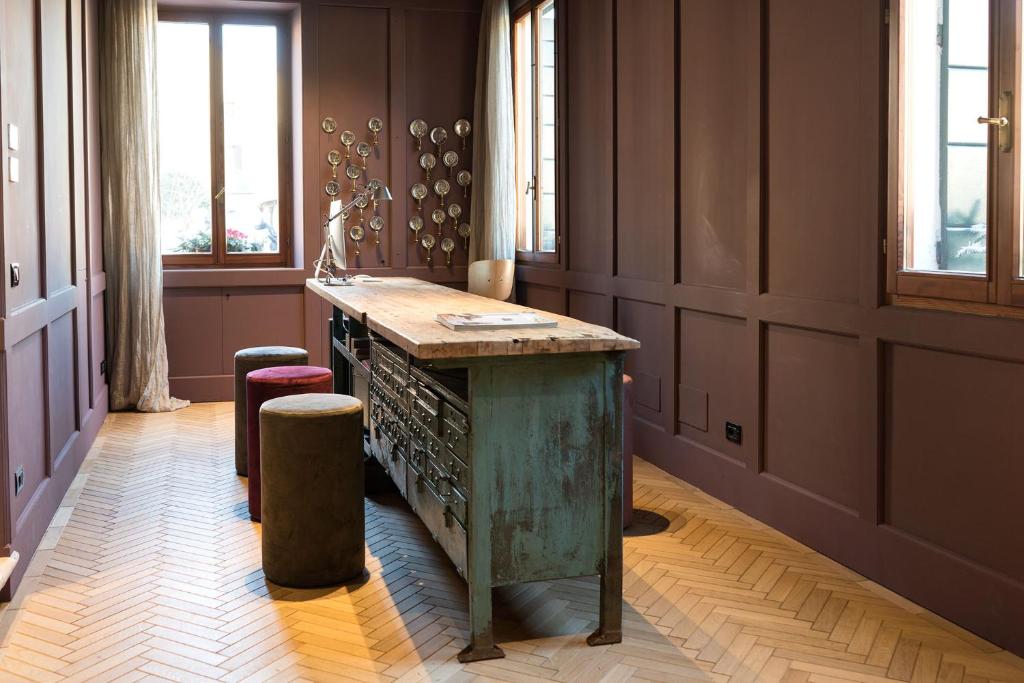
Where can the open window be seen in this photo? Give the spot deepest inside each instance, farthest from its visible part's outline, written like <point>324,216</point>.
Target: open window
<point>536,107</point>
<point>223,106</point>
<point>954,154</point>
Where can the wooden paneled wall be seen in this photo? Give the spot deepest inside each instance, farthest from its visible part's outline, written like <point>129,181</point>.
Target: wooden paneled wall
<point>397,59</point>
<point>53,396</point>
<point>725,206</point>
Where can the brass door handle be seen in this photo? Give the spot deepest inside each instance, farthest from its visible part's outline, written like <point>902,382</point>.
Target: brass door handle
<point>994,121</point>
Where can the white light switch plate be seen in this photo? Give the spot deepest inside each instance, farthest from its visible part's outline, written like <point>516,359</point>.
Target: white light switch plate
<point>12,137</point>
<point>12,169</point>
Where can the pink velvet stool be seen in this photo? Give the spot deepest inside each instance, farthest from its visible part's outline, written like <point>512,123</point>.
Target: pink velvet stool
<point>263,385</point>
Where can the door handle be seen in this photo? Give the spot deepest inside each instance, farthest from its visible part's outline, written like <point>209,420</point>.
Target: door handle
<point>1001,122</point>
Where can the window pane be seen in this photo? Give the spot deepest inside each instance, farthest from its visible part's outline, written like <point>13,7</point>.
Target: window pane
<point>547,122</point>
<point>251,202</point>
<point>524,132</point>
<point>183,90</point>
<point>946,149</point>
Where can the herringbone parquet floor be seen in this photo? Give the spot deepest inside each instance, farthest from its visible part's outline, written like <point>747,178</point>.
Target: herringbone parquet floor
<point>152,571</point>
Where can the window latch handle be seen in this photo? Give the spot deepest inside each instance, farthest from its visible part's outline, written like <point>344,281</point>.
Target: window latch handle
<point>220,194</point>
<point>994,121</point>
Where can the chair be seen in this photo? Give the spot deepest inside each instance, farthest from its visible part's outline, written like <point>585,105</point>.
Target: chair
<point>492,279</point>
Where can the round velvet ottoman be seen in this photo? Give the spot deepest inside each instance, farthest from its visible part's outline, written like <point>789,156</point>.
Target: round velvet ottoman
<point>312,480</point>
<point>246,361</point>
<point>263,385</point>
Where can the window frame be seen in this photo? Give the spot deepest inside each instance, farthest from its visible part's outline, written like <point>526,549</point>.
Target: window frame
<point>1002,284</point>
<point>534,255</point>
<point>219,256</point>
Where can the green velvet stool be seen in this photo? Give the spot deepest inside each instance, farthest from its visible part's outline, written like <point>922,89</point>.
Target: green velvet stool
<point>311,470</point>
<point>247,360</point>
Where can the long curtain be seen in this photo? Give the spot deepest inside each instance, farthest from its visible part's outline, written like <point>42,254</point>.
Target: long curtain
<point>137,350</point>
<point>493,210</point>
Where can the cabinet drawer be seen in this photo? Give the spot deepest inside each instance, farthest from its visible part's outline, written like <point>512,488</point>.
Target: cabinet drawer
<point>426,415</point>
<point>456,439</point>
<point>456,417</point>
<point>457,503</point>
<point>440,520</point>
<point>458,471</point>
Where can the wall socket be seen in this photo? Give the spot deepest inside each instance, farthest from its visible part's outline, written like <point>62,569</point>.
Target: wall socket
<point>19,479</point>
<point>15,274</point>
<point>734,432</point>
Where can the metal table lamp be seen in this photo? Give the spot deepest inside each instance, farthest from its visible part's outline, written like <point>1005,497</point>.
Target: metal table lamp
<point>332,257</point>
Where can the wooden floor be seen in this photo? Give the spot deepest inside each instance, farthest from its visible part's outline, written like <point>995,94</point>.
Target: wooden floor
<point>151,570</point>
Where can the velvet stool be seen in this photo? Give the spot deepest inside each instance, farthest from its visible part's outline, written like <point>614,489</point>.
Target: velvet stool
<point>246,361</point>
<point>263,385</point>
<point>627,451</point>
<point>312,481</point>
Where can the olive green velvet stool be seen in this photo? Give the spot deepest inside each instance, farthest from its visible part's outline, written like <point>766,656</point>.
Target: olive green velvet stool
<point>247,360</point>
<point>311,471</point>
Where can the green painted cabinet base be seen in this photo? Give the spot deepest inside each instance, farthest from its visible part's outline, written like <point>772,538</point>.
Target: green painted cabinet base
<point>514,464</point>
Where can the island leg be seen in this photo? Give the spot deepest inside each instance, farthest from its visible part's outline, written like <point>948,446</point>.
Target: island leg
<point>481,626</point>
<point>609,629</point>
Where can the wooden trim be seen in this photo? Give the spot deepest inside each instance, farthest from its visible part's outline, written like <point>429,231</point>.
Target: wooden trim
<point>219,257</point>
<point>943,286</point>
<point>971,308</point>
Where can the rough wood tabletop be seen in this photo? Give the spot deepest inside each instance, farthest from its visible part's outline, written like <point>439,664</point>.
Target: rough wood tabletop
<point>402,310</point>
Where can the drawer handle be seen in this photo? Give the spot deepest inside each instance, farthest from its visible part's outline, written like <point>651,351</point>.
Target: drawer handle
<point>447,515</point>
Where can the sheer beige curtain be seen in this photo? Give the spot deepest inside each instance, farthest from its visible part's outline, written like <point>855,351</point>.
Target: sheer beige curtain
<point>137,351</point>
<point>493,211</point>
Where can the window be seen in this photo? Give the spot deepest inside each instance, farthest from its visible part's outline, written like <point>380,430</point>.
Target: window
<point>222,98</point>
<point>533,39</point>
<point>954,218</point>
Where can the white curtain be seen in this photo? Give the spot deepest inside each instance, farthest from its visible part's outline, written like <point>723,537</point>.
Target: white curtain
<point>493,210</point>
<point>137,351</point>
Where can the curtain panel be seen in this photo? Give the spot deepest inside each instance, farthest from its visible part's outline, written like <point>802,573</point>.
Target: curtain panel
<point>137,351</point>
<point>493,211</point>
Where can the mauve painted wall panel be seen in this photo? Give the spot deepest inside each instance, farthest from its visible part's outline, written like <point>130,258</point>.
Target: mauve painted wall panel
<point>822,158</point>
<point>193,320</point>
<point>21,199</point>
<point>26,387</point>
<point>260,317</point>
<point>57,178</point>
<point>713,361</point>
<point>591,195</point>
<point>593,308</point>
<point>643,321</point>
<point>715,162</point>
<point>811,412</point>
<point>62,382</point>
<point>645,138</point>
<point>953,462</point>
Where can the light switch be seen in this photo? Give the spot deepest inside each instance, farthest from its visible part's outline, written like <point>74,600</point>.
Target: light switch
<point>13,173</point>
<point>12,137</point>
<point>15,274</point>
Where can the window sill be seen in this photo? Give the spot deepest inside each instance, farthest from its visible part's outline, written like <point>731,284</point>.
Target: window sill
<point>966,307</point>
<point>233,277</point>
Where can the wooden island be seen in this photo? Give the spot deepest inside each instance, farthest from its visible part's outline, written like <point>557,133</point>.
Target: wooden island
<point>506,443</point>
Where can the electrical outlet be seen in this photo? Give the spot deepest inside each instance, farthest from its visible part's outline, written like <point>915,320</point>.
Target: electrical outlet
<point>19,479</point>
<point>15,274</point>
<point>734,432</point>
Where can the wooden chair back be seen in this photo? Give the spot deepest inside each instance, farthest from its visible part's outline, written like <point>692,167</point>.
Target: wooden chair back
<point>493,279</point>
